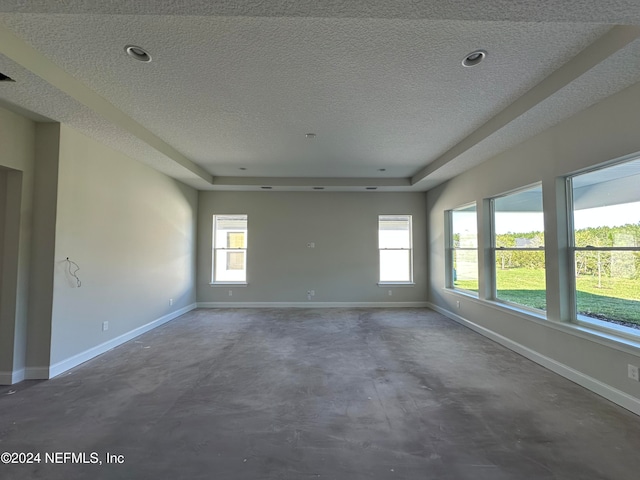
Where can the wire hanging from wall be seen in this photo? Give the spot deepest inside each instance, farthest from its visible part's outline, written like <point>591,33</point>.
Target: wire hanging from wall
<point>74,268</point>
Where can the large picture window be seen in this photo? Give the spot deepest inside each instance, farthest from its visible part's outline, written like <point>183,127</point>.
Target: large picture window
<point>395,245</point>
<point>605,211</point>
<point>463,248</point>
<point>518,247</point>
<point>229,249</point>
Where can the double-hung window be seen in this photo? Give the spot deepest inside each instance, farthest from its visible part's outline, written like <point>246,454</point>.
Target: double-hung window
<point>463,248</point>
<point>518,248</point>
<point>395,248</point>
<point>229,249</point>
<point>605,240</point>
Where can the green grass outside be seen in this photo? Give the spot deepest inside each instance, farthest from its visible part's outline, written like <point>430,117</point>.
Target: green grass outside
<point>615,298</point>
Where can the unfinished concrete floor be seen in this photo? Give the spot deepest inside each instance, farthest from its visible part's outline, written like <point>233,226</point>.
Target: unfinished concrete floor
<point>331,394</point>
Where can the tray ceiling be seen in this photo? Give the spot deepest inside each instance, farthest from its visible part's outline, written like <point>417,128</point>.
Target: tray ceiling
<point>231,92</point>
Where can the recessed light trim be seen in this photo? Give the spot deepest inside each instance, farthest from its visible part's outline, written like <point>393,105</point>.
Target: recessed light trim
<point>382,169</point>
<point>318,188</point>
<point>371,188</point>
<point>266,188</point>
<point>242,168</point>
<point>310,136</point>
<point>474,58</point>
<point>138,53</point>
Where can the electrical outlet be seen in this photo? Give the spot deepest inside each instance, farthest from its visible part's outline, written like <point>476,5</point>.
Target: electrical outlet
<point>458,303</point>
<point>390,292</point>
<point>170,301</point>
<point>105,326</point>
<point>231,293</point>
<point>633,373</point>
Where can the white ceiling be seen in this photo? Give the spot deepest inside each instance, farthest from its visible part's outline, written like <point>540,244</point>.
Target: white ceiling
<point>238,84</point>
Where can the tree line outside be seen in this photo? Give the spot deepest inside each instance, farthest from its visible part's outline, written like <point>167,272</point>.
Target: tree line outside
<point>589,263</point>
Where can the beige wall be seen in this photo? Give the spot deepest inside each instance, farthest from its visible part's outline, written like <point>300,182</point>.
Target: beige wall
<point>43,248</point>
<point>132,232</point>
<point>17,153</point>
<point>130,228</point>
<point>343,266</point>
<point>606,131</point>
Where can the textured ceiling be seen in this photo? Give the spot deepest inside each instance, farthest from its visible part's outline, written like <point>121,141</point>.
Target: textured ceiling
<point>598,11</point>
<point>237,84</point>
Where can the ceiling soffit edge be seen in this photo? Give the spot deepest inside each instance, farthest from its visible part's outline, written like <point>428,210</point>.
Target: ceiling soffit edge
<point>610,43</point>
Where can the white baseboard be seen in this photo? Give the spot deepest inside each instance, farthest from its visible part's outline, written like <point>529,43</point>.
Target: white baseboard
<point>312,304</point>
<point>82,357</point>
<point>607,391</point>
<point>9,378</point>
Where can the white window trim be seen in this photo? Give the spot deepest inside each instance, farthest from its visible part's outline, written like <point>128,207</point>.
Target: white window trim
<point>607,328</point>
<point>214,249</point>
<point>450,249</point>
<point>400,282</point>
<point>493,249</point>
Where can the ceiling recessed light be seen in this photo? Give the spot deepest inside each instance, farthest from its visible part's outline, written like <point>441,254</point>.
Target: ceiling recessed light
<point>371,188</point>
<point>318,188</point>
<point>474,58</point>
<point>242,168</point>
<point>310,136</point>
<point>382,169</point>
<point>138,53</point>
<point>266,188</point>
<point>6,78</point>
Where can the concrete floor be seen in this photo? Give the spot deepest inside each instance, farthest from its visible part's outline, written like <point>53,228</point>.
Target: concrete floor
<point>331,394</point>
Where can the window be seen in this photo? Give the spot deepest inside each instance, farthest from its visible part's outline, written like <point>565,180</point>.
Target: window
<point>518,247</point>
<point>229,249</point>
<point>463,248</point>
<point>605,211</point>
<point>395,244</point>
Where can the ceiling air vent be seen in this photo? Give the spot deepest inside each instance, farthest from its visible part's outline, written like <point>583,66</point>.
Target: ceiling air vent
<point>4,78</point>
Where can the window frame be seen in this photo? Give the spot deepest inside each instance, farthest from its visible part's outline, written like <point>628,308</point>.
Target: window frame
<point>215,249</point>
<point>493,254</point>
<point>410,249</point>
<point>451,249</point>
<point>604,326</point>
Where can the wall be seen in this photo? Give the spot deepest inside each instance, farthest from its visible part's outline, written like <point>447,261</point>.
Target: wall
<point>131,230</point>
<point>606,131</point>
<point>43,248</point>
<point>343,266</point>
<point>17,154</point>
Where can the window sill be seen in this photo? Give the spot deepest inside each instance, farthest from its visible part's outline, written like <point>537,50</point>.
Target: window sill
<point>520,309</point>
<point>462,291</point>
<point>587,329</point>
<point>396,284</point>
<point>228,284</point>
<point>609,328</point>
